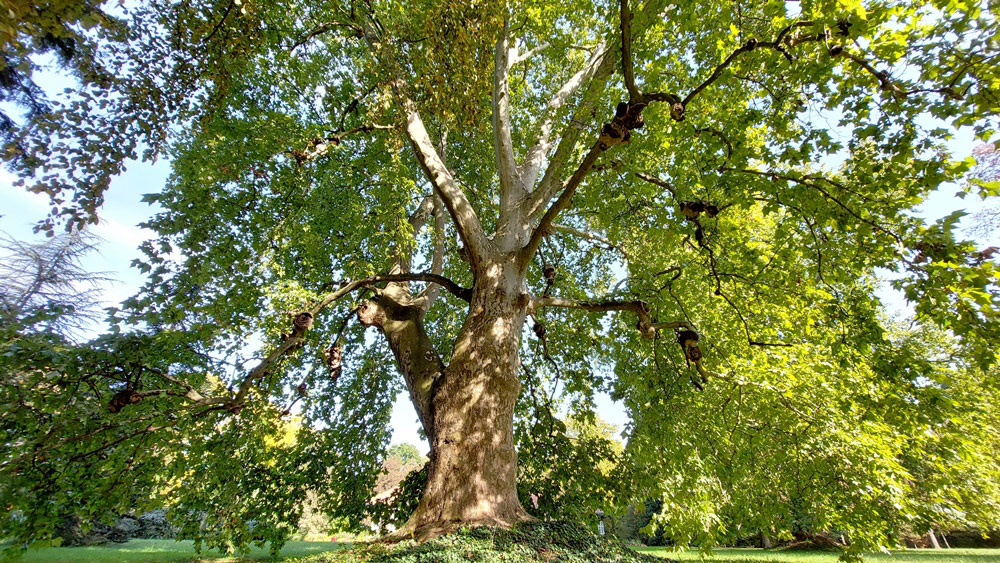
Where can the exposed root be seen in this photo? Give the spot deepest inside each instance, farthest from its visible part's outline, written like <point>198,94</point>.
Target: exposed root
<point>528,542</point>
<point>422,530</point>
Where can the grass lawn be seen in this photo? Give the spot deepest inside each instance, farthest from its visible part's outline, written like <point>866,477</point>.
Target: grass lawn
<point>169,550</point>
<point>798,556</point>
<point>165,550</point>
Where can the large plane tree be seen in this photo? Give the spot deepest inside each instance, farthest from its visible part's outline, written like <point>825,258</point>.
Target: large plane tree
<point>491,205</point>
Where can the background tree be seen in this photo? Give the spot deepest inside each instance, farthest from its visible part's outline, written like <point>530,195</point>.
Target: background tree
<point>987,170</point>
<point>44,287</point>
<point>523,158</point>
<point>760,457</point>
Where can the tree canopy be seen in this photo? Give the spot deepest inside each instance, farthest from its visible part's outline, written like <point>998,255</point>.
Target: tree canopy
<point>692,202</point>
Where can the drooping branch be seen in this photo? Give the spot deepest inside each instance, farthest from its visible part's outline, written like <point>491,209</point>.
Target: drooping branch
<point>656,181</point>
<point>813,181</point>
<point>463,215</point>
<point>352,106</point>
<point>588,235</point>
<point>678,104</point>
<point>297,337</point>
<point>719,135</point>
<point>885,83</point>
<point>750,45</point>
<point>318,147</point>
<point>325,27</point>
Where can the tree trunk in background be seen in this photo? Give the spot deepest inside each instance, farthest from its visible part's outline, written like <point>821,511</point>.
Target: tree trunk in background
<point>933,538</point>
<point>765,539</point>
<point>473,466</point>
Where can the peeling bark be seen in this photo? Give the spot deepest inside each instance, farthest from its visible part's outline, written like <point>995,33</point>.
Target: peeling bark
<point>472,477</point>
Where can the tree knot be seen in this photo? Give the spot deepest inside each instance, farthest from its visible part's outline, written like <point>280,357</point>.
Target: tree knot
<point>303,322</point>
<point>677,111</point>
<point>371,314</point>
<point>688,339</point>
<point>334,357</point>
<point>122,399</point>
<point>628,116</point>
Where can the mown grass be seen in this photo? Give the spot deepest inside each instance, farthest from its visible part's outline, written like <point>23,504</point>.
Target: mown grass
<point>746,555</point>
<point>156,551</point>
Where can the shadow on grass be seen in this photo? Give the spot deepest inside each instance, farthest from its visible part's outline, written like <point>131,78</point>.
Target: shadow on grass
<point>751,555</point>
<point>162,551</point>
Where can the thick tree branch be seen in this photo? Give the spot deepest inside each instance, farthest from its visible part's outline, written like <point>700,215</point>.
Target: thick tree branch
<point>634,95</point>
<point>430,293</point>
<point>636,306</point>
<point>549,185</point>
<point>640,308</point>
<point>595,68</point>
<point>561,203</point>
<point>520,58</point>
<point>510,188</point>
<point>463,215</point>
<point>462,293</point>
<point>687,337</point>
<point>628,116</point>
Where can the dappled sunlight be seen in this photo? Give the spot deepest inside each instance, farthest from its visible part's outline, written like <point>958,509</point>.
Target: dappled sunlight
<point>756,555</point>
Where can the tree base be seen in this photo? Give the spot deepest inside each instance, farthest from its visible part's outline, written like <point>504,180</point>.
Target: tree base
<point>527,542</point>
<point>423,532</point>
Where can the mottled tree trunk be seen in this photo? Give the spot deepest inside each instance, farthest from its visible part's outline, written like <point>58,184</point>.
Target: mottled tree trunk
<point>473,465</point>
